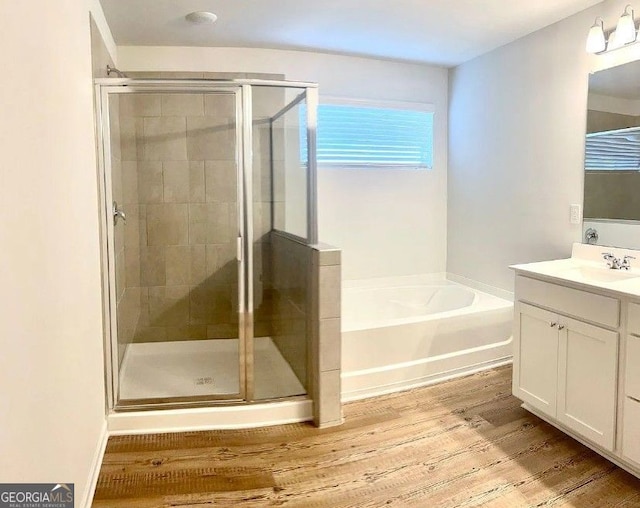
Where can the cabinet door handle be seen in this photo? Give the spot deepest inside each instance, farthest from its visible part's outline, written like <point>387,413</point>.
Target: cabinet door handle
<point>553,325</point>
<point>560,327</point>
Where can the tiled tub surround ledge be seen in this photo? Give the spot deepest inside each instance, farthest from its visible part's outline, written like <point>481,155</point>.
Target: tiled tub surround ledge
<point>577,349</point>
<point>403,332</point>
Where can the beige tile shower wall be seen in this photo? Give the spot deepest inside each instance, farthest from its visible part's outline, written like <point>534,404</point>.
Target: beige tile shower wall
<point>127,252</point>
<point>181,148</point>
<point>125,236</point>
<point>181,154</point>
<point>128,200</point>
<point>291,271</point>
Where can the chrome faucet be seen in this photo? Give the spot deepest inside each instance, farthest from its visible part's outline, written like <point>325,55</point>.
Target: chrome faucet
<point>591,236</point>
<point>615,263</point>
<point>626,264</point>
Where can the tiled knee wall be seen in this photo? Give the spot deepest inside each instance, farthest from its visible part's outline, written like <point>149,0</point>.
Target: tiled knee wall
<point>326,335</point>
<point>306,319</point>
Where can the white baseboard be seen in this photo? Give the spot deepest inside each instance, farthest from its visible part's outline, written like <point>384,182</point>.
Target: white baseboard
<point>96,464</point>
<point>210,418</point>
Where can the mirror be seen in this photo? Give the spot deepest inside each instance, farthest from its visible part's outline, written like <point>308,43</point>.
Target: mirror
<point>612,158</point>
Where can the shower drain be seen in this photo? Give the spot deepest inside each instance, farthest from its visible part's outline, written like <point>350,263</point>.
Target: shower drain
<point>204,381</point>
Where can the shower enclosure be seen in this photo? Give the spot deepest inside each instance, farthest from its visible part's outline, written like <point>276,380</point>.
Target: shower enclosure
<point>201,180</point>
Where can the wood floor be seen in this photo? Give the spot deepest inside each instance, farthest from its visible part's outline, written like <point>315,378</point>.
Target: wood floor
<point>458,444</point>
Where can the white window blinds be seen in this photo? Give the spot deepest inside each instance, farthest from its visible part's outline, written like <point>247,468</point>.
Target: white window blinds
<point>613,150</point>
<point>368,136</point>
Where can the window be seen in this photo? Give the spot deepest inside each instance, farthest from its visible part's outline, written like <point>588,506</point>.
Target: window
<point>351,135</point>
<point>613,150</point>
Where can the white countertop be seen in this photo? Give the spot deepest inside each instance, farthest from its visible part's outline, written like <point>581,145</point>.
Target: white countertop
<point>587,269</point>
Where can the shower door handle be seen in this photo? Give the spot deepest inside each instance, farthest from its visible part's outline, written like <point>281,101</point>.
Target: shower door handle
<point>118,214</point>
<point>239,249</point>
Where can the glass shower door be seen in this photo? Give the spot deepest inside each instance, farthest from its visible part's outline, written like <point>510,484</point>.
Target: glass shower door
<point>279,298</point>
<point>173,164</point>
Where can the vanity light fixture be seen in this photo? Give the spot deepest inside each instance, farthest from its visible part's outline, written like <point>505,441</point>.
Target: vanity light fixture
<point>625,33</point>
<point>614,41</point>
<point>626,28</point>
<point>596,41</point>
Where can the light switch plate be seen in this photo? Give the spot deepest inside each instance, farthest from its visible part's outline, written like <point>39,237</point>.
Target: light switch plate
<point>575,214</point>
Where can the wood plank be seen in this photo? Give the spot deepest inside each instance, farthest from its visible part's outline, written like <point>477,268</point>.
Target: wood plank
<point>463,443</point>
<point>183,481</point>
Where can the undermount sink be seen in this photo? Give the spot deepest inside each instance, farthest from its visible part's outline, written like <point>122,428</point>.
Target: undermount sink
<point>596,274</point>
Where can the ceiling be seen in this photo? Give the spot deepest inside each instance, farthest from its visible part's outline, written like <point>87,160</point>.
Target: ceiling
<point>440,32</point>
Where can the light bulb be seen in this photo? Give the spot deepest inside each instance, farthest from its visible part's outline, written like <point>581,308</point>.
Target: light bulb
<point>613,43</point>
<point>596,41</point>
<point>626,28</point>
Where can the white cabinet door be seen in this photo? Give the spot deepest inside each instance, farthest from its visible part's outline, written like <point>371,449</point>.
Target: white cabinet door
<point>587,375</point>
<point>535,358</point>
<point>632,367</point>
<point>631,430</point>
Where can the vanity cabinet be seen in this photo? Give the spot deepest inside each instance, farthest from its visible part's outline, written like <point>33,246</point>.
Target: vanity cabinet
<point>576,357</point>
<point>631,400</point>
<point>566,369</point>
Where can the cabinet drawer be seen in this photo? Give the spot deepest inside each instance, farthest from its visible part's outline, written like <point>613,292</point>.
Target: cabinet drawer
<point>633,320</point>
<point>632,367</point>
<point>573,302</point>
<point>631,430</point>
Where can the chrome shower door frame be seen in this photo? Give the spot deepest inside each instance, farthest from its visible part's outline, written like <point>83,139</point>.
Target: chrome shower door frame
<point>312,165</point>
<point>104,88</point>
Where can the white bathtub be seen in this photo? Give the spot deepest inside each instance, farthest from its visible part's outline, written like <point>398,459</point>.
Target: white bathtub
<point>410,331</point>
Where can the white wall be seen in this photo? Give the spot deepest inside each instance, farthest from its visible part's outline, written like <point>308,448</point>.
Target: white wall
<point>105,32</point>
<point>51,366</point>
<point>387,223</point>
<point>614,233</point>
<point>516,144</point>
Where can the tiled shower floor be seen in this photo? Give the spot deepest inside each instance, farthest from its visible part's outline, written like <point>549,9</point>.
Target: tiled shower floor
<point>202,367</point>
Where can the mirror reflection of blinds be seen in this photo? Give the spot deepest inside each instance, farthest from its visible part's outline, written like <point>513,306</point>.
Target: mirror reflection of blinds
<point>357,136</point>
<point>617,150</point>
